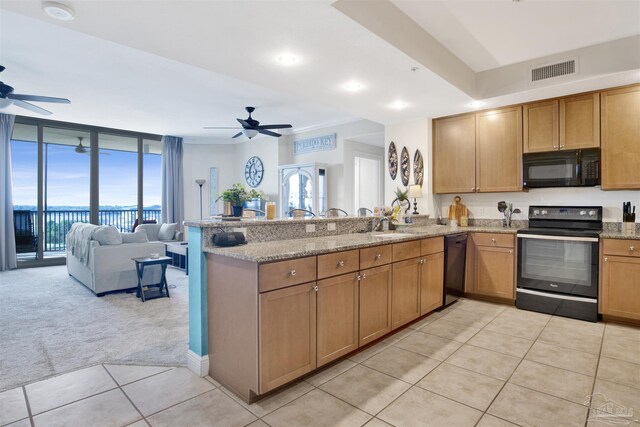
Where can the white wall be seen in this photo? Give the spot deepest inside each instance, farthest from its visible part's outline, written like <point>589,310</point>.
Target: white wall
<point>267,150</point>
<point>351,150</point>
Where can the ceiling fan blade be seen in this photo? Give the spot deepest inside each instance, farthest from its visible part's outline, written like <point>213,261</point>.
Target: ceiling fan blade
<point>274,127</point>
<point>38,98</point>
<point>219,127</point>
<point>31,107</point>
<point>244,123</point>
<point>268,132</point>
<point>237,135</point>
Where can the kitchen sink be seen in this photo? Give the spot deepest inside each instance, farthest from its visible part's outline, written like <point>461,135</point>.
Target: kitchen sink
<point>389,235</point>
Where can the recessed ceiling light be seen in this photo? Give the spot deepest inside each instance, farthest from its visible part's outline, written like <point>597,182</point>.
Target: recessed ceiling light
<point>288,59</point>
<point>353,86</point>
<point>58,11</point>
<point>398,105</point>
<point>477,104</point>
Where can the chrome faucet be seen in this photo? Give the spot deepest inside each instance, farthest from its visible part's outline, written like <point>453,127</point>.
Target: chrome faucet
<point>378,225</point>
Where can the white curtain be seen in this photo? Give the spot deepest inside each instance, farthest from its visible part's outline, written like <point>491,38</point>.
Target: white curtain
<point>172,188</point>
<point>8,258</point>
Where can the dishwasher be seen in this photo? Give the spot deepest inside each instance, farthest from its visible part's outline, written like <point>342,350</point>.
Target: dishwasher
<point>455,252</point>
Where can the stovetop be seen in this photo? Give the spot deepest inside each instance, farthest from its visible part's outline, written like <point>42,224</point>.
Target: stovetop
<point>579,221</point>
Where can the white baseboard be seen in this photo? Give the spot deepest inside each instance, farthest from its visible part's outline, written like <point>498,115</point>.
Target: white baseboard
<point>199,365</point>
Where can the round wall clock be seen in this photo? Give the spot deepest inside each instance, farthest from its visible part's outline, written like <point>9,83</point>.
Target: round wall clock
<point>393,160</point>
<point>405,166</point>
<point>418,168</point>
<point>254,171</point>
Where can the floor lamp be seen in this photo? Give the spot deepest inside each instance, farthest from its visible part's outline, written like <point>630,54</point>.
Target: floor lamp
<point>200,182</point>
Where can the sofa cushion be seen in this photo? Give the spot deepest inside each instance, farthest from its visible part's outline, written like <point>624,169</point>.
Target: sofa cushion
<point>167,231</point>
<point>140,236</point>
<point>107,235</point>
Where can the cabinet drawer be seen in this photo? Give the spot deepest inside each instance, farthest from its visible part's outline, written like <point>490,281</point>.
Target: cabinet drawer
<point>375,256</point>
<point>492,239</point>
<point>621,247</point>
<point>281,274</point>
<point>432,245</point>
<point>406,250</point>
<point>338,263</point>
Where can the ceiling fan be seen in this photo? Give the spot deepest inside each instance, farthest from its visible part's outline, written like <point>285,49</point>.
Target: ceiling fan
<point>251,127</point>
<point>81,149</point>
<point>7,98</point>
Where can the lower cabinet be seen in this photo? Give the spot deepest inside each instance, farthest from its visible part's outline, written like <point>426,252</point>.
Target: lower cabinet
<point>375,303</point>
<point>620,280</point>
<point>287,328</point>
<point>431,283</point>
<point>405,292</point>
<point>490,269</point>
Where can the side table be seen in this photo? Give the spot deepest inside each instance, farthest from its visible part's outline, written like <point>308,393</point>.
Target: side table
<point>179,253</point>
<point>163,289</point>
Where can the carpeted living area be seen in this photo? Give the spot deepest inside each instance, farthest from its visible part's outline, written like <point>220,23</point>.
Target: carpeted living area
<point>50,324</point>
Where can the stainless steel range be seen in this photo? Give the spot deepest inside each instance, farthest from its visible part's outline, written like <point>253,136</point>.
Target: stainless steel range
<point>558,261</point>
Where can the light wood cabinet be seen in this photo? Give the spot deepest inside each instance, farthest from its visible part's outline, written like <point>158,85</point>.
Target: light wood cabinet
<point>375,303</point>
<point>490,269</point>
<point>338,263</point>
<point>620,280</point>
<point>431,282</point>
<point>281,274</point>
<point>375,256</point>
<point>454,154</point>
<point>405,292</point>
<point>287,344</point>
<point>541,126</point>
<point>499,150</point>
<point>580,121</point>
<point>620,130</point>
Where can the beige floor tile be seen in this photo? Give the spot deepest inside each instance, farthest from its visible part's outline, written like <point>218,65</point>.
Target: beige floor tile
<point>577,325</point>
<point>607,421</point>
<point>365,388</point>
<point>125,374</point>
<point>450,330</point>
<point>621,348</point>
<point>111,408</point>
<point>275,400</point>
<point>554,381</point>
<point>461,385</point>
<point>620,395</point>
<point>13,407</point>
<point>21,423</point>
<point>491,421</point>
<point>375,422</point>
<point>141,423</point>
<point>469,318</point>
<point>258,423</point>
<point>482,307</point>
<point>429,345</point>
<point>516,328</point>
<point>213,408</point>
<point>520,315</point>
<point>421,408</point>
<point>158,392</point>
<point>571,338</point>
<point>619,371</point>
<point>530,408</point>
<point>405,365</point>
<point>212,381</point>
<point>368,352</point>
<point>422,323</point>
<point>394,338</point>
<point>507,344</point>
<point>317,409</point>
<point>330,372</point>
<point>483,361</point>
<point>565,358</point>
<point>622,331</point>
<point>67,388</point>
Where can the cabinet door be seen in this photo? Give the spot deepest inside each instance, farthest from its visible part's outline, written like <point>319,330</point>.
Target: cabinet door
<point>375,303</point>
<point>540,125</point>
<point>454,152</point>
<point>580,122</point>
<point>287,335</point>
<point>431,283</point>
<point>621,139</point>
<point>337,314</point>
<point>494,272</point>
<point>405,292</point>
<point>621,286</point>
<point>499,150</point>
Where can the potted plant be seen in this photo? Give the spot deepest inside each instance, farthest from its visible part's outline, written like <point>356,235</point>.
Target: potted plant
<point>237,195</point>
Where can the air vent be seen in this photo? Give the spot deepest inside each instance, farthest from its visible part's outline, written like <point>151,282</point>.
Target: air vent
<point>553,70</point>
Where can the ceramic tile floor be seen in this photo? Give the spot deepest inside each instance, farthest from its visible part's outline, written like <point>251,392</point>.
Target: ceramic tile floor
<point>473,364</point>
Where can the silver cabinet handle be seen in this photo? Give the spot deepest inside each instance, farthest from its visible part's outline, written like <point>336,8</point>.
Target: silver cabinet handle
<point>340,264</point>
<point>510,251</point>
<point>422,261</point>
<point>378,256</point>
<point>473,188</point>
<point>632,248</point>
<point>555,146</point>
<point>364,276</point>
<point>315,288</point>
<point>562,146</point>
<point>606,259</point>
<point>292,273</point>
<point>493,240</point>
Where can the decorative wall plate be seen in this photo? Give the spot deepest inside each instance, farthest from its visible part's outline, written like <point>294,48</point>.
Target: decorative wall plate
<point>418,168</point>
<point>393,160</point>
<point>405,166</point>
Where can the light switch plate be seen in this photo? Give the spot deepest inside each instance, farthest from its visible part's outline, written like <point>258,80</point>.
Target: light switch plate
<point>311,228</point>
<point>331,226</point>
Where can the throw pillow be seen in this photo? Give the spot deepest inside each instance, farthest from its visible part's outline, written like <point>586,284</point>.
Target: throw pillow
<point>140,236</point>
<point>167,231</point>
<point>107,235</point>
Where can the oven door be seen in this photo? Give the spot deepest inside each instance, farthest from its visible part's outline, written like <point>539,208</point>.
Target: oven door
<point>560,264</point>
<point>551,169</point>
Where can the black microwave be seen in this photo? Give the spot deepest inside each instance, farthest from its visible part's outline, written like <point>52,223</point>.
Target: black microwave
<point>572,168</point>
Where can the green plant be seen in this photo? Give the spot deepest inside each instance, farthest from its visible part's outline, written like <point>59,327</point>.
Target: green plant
<point>237,195</point>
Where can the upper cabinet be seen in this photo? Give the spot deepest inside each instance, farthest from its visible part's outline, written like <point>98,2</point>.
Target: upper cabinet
<point>454,154</point>
<point>620,138</point>
<point>540,126</point>
<point>580,121</point>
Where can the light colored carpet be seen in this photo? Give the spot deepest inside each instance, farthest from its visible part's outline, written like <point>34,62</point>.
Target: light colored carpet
<point>50,323</point>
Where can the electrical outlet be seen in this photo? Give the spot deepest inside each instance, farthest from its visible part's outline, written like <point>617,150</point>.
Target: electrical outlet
<point>331,226</point>
<point>311,228</point>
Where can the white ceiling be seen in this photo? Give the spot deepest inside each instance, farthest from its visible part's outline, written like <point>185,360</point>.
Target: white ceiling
<point>172,67</point>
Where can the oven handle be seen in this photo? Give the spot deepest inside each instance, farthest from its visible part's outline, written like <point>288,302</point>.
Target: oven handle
<point>545,237</point>
<point>557,296</point>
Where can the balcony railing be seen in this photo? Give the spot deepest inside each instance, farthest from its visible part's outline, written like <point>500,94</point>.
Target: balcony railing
<point>58,223</point>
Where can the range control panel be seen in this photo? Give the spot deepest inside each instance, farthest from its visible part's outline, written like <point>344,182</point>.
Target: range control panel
<point>566,213</point>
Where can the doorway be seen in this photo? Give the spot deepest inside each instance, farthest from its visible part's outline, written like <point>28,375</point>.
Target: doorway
<point>367,181</point>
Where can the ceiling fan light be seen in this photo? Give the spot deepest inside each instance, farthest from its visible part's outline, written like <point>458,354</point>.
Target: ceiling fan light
<point>4,102</point>
<point>58,11</point>
<point>249,133</point>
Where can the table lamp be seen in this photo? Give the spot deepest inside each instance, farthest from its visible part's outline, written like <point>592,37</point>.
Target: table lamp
<point>415,191</point>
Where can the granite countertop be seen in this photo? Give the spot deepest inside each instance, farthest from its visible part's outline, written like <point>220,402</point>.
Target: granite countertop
<point>296,248</point>
<point>619,235</point>
<point>217,222</point>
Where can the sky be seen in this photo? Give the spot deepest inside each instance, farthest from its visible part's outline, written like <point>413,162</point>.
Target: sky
<point>67,176</point>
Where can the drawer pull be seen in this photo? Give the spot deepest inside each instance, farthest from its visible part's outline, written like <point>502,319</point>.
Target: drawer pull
<point>315,288</point>
<point>510,251</point>
<point>493,240</point>
<point>632,248</point>
<point>606,259</point>
<point>378,256</point>
<point>292,273</point>
<point>340,264</point>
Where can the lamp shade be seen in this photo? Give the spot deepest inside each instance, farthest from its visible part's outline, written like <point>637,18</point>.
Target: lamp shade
<point>415,191</point>
<point>249,133</point>
<point>200,182</point>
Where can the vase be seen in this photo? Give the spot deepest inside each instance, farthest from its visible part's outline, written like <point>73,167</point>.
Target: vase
<point>237,211</point>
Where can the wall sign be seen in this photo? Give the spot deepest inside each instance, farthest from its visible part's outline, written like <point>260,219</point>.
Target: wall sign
<point>213,191</point>
<point>320,143</point>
